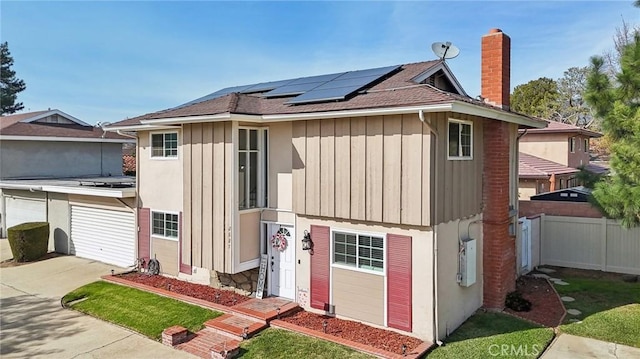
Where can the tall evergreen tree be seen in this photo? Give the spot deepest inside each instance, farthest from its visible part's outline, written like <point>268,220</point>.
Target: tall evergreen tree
<point>618,103</point>
<point>10,85</point>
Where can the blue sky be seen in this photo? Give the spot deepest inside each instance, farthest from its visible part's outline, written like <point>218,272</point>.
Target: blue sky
<point>109,60</point>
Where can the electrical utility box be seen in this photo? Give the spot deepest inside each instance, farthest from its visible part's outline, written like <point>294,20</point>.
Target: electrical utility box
<point>468,262</point>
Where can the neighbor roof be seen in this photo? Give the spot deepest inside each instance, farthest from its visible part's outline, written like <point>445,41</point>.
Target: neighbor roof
<point>559,127</point>
<point>397,90</point>
<point>535,167</point>
<point>26,126</point>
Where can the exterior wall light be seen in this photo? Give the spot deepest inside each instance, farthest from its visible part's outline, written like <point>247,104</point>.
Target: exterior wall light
<point>307,243</point>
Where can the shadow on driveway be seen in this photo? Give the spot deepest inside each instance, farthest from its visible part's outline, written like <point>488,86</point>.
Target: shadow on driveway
<point>29,322</point>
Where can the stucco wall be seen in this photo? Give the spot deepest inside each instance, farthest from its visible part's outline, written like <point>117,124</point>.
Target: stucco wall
<point>59,222</point>
<point>550,146</point>
<point>527,188</point>
<point>25,159</point>
<point>457,303</point>
<point>160,180</point>
<point>422,264</point>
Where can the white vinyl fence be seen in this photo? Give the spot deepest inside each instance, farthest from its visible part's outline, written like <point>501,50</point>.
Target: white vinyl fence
<point>587,243</point>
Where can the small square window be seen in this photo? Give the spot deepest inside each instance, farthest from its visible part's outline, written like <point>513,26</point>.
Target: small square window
<point>460,139</point>
<point>164,145</point>
<point>164,224</point>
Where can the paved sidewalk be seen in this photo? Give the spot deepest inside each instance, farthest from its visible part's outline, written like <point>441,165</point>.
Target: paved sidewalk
<point>33,324</point>
<point>571,346</point>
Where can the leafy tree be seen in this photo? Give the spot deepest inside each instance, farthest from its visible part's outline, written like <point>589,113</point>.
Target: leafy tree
<point>572,108</point>
<point>10,85</point>
<point>536,98</point>
<point>618,103</point>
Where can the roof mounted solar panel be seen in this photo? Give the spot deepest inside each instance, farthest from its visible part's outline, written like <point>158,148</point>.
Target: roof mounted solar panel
<point>343,86</point>
<point>219,93</point>
<point>301,85</point>
<point>266,86</point>
<point>329,94</point>
<point>380,71</point>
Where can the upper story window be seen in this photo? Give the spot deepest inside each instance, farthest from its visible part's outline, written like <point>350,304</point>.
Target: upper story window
<point>586,145</point>
<point>252,168</point>
<point>572,144</point>
<point>164,145</point>
<point>460,140</point>
<point>358,251</point>
<point>164,224</point>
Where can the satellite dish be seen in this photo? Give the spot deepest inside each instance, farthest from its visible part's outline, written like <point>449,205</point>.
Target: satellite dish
<point>445,50</point>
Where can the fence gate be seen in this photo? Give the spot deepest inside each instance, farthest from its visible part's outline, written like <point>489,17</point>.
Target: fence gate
<point>525,244</point>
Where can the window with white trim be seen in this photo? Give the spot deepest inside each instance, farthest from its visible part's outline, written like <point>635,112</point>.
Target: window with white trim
<point>572,144</point>
<point>586,145</point>
<point>358,251</point>
<point>460,139</point>
<point>164,144</point>
<point>164,224</point>
<point>252,168</point>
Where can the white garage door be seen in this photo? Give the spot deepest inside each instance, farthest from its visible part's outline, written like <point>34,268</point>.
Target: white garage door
<point>103,235</point>
<point>21,210</point>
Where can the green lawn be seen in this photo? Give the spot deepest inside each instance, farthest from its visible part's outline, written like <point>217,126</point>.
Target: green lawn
<point>610,309</point>
<point>489,335</point>
<point>144,312</point>
<point>278,343</point>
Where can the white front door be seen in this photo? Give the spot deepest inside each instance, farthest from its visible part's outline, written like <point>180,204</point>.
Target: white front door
<point>282,258</point>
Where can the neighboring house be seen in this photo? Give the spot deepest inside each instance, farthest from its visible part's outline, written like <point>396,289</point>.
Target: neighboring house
<point>56,168</point>
<point>406,186</point>
<point>562,143</point>
<point>537,175</point>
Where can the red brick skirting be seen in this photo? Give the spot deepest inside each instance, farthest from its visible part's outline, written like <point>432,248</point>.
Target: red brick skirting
<point>168,294</point>
<point>416,353</point>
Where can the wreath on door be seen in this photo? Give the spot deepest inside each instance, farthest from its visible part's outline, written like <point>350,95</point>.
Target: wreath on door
<point>279,240</point>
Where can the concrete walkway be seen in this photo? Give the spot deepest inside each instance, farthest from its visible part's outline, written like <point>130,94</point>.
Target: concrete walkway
<point>571,346</point>
<point>33,324</point>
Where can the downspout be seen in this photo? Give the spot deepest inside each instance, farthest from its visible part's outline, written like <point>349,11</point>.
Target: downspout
<point>434,270</point>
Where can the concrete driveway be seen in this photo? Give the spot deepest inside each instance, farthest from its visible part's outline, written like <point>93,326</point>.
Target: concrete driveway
<point>571,346</point>
<point>33,324</point>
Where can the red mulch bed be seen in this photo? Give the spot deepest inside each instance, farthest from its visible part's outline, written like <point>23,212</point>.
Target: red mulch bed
<point>204,292</point>
<point>355,331</point>
<point>546,307</point>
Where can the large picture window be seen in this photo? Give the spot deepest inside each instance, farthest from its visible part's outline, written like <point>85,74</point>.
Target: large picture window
<point>460,139</point>
<point>252,168</point>
<point>165,224</point>
<point>164,145</point>
<point>359,251</point>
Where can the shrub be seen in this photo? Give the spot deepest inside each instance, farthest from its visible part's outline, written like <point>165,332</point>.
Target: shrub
<point>516,302</point>
<point>29,241</point>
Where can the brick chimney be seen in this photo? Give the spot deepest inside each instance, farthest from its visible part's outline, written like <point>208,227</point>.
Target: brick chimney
<point>496,68</point>
<point>499,252</point>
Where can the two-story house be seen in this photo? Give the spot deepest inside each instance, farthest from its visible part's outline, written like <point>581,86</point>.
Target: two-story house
<point>385,195</point>
<point>59,169</point>
<point>551,157</point>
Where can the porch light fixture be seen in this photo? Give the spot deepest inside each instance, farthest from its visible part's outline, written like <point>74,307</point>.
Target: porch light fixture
<point>307,243</point>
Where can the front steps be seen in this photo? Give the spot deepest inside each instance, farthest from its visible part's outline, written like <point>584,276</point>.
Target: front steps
<point>221,337</point>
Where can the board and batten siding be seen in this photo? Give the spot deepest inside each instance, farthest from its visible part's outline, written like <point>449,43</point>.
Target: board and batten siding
<point>207,151</point>
<point>382,169</point>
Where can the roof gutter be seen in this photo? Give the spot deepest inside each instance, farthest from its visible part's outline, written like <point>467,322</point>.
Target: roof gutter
<point>124,134</point>
<point>453,106</point>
